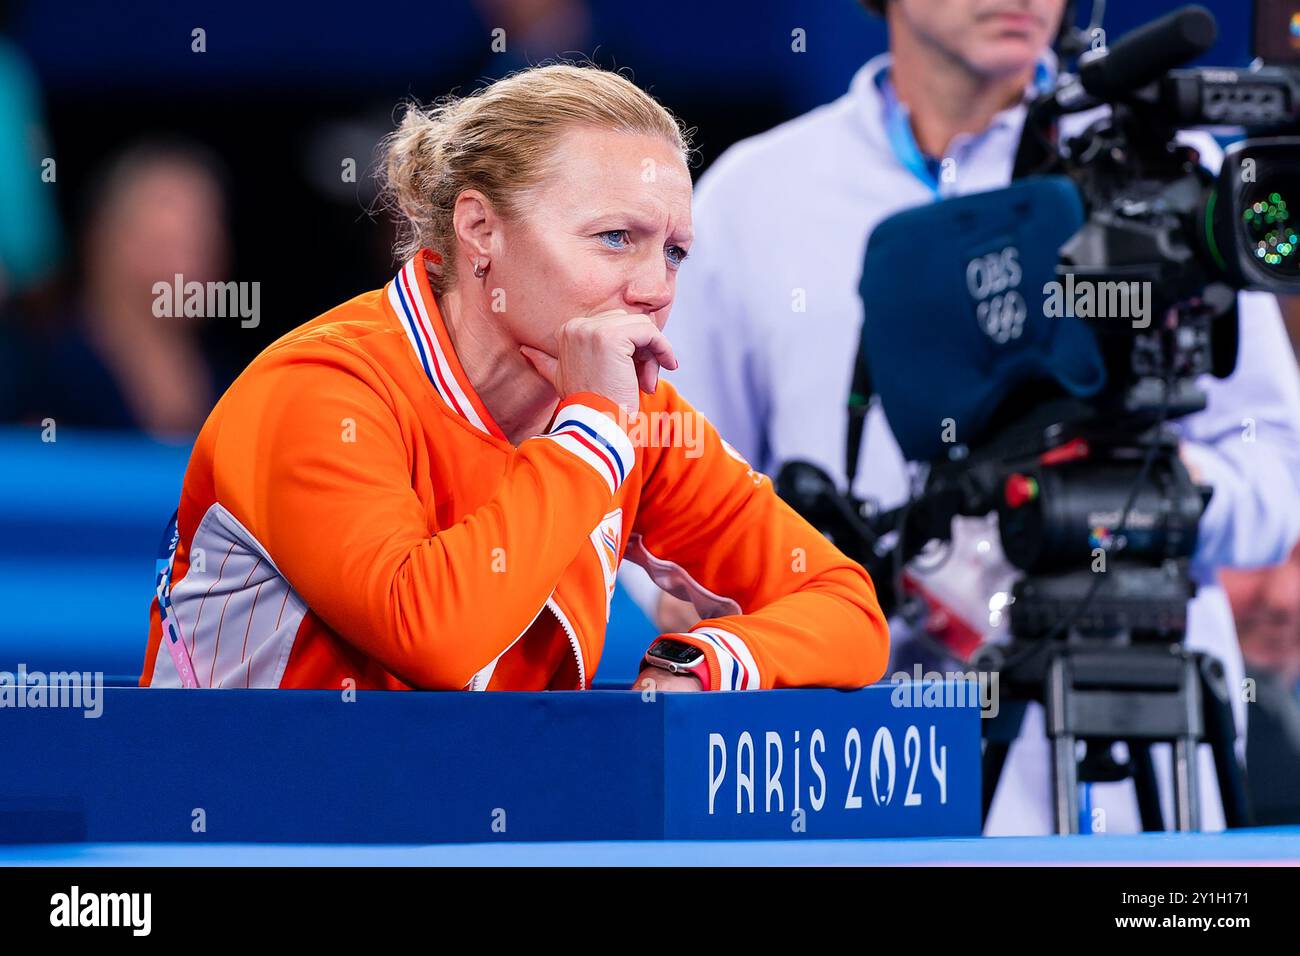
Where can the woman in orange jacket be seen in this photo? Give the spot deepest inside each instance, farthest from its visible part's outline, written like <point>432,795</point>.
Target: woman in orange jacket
<point>431,486</point>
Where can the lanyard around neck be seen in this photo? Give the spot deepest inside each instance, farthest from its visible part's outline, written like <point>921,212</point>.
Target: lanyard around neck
<point>902,140</point>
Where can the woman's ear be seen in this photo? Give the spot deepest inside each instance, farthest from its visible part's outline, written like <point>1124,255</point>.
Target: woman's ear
<point>477,225</point>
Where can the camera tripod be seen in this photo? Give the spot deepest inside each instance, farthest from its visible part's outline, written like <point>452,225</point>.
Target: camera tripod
<point>1123,677</point>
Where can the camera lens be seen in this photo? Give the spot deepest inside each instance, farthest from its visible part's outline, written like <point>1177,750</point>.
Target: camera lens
<point>1272,224</point>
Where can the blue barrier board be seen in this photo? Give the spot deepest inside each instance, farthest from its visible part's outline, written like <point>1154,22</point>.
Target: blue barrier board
<point>374,767</point>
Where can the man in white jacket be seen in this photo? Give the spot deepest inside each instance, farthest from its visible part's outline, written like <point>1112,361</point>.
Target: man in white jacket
<point>767,320</point>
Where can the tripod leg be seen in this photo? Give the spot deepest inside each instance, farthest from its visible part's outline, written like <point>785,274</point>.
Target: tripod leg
<point>1221,732</point>
<point>1187,812</point>
<point>999,732</point>
<point>1144,781</point>
<point>995,758</point>
<point>1065,784</point>
<point>1065,765</point>
<point>1187,775</point>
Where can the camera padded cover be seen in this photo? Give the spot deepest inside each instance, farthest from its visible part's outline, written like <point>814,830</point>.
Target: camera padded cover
<point>953,295</point>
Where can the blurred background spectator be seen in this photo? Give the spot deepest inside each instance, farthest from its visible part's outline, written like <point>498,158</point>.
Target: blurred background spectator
<point>29,228</point>
<point>1266,605</point>
<point>29,224</point>
<point>104,358</point>
<point>1291,315</point>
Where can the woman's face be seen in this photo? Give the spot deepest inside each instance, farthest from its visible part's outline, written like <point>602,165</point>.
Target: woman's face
<point>606,229</point>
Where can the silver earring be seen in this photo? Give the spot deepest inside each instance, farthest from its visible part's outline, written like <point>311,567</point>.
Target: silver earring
<point>480,269</point>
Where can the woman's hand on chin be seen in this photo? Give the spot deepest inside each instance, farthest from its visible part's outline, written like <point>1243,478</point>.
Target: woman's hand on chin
<point>614,354</point>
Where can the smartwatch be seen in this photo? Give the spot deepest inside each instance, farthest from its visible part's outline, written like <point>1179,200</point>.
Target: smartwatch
<point>679,657</point>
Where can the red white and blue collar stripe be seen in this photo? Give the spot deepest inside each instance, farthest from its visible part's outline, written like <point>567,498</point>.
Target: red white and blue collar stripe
<point>582,431</point>
<point>412,300</point>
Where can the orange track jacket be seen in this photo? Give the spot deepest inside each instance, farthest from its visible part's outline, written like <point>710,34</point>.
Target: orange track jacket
<point>352,512</point>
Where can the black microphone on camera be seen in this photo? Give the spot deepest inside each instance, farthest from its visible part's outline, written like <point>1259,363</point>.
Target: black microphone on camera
<point>1146,54</point>
<point>1136,60</point>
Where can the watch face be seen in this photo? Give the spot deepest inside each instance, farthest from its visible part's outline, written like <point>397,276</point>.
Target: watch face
<point>679,652</point>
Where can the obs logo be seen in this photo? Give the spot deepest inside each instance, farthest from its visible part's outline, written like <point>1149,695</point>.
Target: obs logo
<point>993,281</point>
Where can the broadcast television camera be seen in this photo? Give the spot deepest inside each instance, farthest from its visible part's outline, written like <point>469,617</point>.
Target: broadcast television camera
<point>1065,420</point>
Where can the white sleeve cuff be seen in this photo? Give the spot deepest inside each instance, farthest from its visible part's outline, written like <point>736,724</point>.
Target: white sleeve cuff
<point>596,439</point>
<point>739,670</point>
